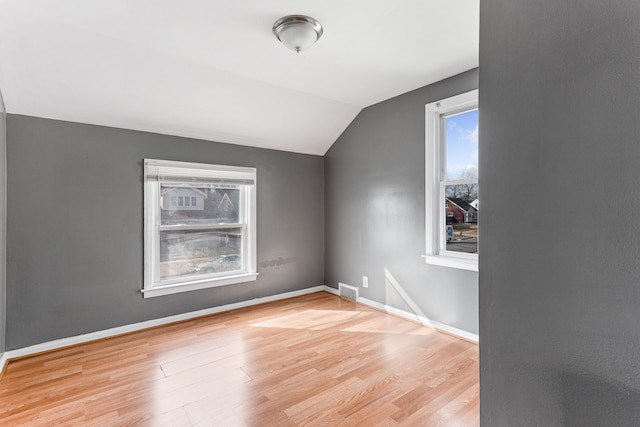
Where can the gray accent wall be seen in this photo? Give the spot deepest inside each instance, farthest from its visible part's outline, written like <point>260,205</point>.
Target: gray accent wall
<point>3,211</point>
<point>560,243</point>
<point>75,234</point>
<point>375,211</point>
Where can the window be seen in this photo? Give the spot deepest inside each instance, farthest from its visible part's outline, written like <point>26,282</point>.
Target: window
<point>452,182</point>
<point>207,238</point>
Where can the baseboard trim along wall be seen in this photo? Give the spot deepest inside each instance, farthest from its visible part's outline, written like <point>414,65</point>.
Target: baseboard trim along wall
<point>421,319</point>
<point>120,330</point>
<point>93,336</point>
<point>3,363</point>
<point>331,290</point>
<point>413,317</point>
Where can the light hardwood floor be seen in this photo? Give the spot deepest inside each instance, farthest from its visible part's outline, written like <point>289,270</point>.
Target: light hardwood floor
<point>311,360</point>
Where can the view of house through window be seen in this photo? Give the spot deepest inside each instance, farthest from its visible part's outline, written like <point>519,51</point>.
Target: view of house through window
<point>459,183</point>
<point>200,226</point>
<point>209,240</point>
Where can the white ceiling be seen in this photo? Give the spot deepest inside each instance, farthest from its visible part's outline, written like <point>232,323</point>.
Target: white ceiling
<point>212,69</point>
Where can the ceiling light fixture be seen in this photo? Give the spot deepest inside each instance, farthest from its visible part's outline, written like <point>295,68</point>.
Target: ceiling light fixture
<point>297,32</point>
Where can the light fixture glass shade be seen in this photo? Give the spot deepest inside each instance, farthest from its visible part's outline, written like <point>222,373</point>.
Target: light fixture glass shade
<point>297,32</point>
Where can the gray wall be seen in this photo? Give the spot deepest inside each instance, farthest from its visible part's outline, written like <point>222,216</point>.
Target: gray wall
<point>75,236</point>
<point>375,214</point>
<point>3,146</point>
<point>560,281</point>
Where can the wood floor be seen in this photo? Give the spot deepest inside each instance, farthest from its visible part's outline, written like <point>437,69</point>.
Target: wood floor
<point>311,360</point>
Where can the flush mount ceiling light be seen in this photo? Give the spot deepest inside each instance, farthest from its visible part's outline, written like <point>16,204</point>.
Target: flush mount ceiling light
<point>297,32</point>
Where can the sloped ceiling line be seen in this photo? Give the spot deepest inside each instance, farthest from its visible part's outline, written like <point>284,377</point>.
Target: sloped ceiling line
<point>213,70</point>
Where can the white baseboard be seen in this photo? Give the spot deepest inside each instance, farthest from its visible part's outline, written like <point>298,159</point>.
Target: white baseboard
<point>421,319</point>
<point>330,290</point>
<point>106,333</point>
<point>3,362</point>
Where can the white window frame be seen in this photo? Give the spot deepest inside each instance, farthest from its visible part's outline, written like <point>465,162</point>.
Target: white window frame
<point>436,253</point>
<point>158,171</point>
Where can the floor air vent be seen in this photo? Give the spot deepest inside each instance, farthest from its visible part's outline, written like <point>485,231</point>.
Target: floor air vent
<point>348,292</point>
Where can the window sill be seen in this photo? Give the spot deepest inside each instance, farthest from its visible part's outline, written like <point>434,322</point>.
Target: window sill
<point>198,284</point>
<point>452,262</point>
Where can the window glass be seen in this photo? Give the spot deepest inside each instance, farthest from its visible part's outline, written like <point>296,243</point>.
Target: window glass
<point>461,226</point>
<point>188,253</point>
<point>461,181</point>
<point>461,148</point>
<point>206,204</point>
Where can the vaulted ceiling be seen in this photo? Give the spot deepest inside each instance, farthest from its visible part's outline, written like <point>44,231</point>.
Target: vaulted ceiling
<point>213,69</point>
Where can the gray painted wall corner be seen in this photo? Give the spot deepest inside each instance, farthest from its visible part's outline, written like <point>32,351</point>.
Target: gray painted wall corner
<point>374,211</point>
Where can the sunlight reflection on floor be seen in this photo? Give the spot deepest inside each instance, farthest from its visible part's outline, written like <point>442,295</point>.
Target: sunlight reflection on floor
<point>323,319</point>
<point>309,319</point>
<point>392,326</point>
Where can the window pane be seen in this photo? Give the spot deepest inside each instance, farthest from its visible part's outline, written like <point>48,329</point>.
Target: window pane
<point>461,214</point>
<point>200,204</point>
<point>192,253</point>
<point>461,146</point>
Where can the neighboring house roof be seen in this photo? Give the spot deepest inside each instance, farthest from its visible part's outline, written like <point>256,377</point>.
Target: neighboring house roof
<point>461,203</point>
<point>171,189</point>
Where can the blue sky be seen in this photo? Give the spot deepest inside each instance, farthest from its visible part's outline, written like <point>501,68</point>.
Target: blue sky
<point>461,144</point>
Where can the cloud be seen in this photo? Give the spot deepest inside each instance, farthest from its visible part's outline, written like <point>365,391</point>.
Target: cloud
<point>470,172</point>
<point>460,171</point>
<point>472,136</point>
